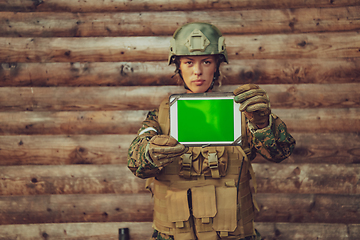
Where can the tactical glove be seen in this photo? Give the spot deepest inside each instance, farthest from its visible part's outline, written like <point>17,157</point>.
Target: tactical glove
<point>163,149</point>
<point>254,102</point>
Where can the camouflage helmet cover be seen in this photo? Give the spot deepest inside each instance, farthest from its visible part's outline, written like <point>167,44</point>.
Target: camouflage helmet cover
<point>197,39</point>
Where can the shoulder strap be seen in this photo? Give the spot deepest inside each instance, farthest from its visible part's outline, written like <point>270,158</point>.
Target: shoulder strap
<point>164,119</point>
<point>245,143</point>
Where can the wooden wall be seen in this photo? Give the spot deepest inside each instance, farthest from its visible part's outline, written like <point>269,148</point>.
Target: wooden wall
<point>78,77</point>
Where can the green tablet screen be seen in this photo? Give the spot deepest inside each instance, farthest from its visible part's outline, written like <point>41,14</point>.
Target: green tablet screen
<point>205,120</point>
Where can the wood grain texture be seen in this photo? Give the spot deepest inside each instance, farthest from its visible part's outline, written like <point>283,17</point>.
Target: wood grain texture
<point>321,120</point>
<point>84,98</point>
<point>264,21</point>
<point>308,208</point>
<point>259,71</point>
<point>308,178</point>
<point>64,149</point>
<point>76,208</point>
<point>69,179</point>
<point>75,231</point>
<point>294,208</point>
<point>161,5</point>
<point>320,148</point>
<point>78,77</point>
<point>74,122</point>
<point>336,120</point>
<point>110,49</point>
<point>313,231</point>
<point>100,179</point>
<point>143,230</point>
<point>289,96</point>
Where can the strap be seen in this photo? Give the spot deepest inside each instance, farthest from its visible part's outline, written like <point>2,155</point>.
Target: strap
<point>224,234</point>
<point>187,164</point>
<point>179,224</point>
<point>245,143</point>
<point>252,174</point>
<point>213,162</point>
<point>253,178</point>
<point>148,182</point>
<point>163,119</point>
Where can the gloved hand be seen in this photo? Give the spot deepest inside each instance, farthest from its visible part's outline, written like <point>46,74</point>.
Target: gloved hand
<point>254,102</point>
<point>163,149</point>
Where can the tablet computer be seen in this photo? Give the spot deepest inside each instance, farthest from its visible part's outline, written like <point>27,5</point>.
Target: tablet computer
<point>205,119</point>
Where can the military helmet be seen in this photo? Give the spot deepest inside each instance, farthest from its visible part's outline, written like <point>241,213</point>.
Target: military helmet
<point>197,39</point>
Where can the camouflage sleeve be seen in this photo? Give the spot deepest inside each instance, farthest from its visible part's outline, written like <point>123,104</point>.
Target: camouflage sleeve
<point>137,162</point>
<point>274,142</point>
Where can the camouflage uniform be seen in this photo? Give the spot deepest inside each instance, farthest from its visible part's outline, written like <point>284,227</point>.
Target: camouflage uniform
<point>273,142</point>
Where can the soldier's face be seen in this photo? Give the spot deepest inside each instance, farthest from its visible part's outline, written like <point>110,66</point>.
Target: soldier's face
<point>198,72</point>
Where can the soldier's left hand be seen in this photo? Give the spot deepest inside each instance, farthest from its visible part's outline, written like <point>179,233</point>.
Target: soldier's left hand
<point>255,103</point>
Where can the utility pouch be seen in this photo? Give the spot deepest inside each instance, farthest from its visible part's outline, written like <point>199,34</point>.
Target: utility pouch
<point>189,163</point>
<point>178,213</point>
<point>225,220</point>
<point>204,211</point>
<point>215,161</point>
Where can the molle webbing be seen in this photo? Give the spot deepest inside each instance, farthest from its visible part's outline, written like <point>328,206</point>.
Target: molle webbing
<point>234,213</point>
<point>171,172</point>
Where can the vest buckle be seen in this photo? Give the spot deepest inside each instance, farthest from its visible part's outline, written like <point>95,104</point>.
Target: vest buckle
<point>213,160</point>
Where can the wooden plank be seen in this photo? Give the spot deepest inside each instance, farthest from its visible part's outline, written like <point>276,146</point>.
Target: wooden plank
<point>84,98</point>
<point>313,95</point>
<point>112,49</point>
<point>324,148</point>
<point>140,98</point>
<point>311,231</point>
<point>75,231</point>
<point>161,5</point>
<point>90,74</point>
<point>305,208</point>
<point>295,208</point>
<point>48,24</point>
<point>321,120</point>
<point>88,122</point>
<point>99,179</point>
<point>308,178</point>
<point>291,71</point>
<point>354,231</point>
<point>76,208</point>
<point>64,149</point>
<point>260,71</point>
<point>69,179</point>
<point>142,230</point>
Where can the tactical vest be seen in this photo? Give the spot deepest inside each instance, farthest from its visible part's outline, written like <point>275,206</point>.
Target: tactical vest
<point>201,193</point>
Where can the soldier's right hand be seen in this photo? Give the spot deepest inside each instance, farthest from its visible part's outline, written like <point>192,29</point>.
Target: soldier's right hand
<point>163,149</point>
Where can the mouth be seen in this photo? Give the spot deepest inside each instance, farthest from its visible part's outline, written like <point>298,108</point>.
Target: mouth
<point>198,82</point>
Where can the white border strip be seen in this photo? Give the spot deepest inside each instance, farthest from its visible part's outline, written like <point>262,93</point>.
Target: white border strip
<point>174,121</point>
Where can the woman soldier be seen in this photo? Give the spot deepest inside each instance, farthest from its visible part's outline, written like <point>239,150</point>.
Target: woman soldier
<point>204,192</point>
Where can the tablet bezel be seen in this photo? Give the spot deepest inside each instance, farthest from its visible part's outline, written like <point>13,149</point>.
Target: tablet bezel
<point>173,100</point>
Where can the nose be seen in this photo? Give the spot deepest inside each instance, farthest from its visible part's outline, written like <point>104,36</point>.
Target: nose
<point>197,69</point>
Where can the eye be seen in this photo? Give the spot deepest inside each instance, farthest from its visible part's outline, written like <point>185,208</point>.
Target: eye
<point>207,62</point>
